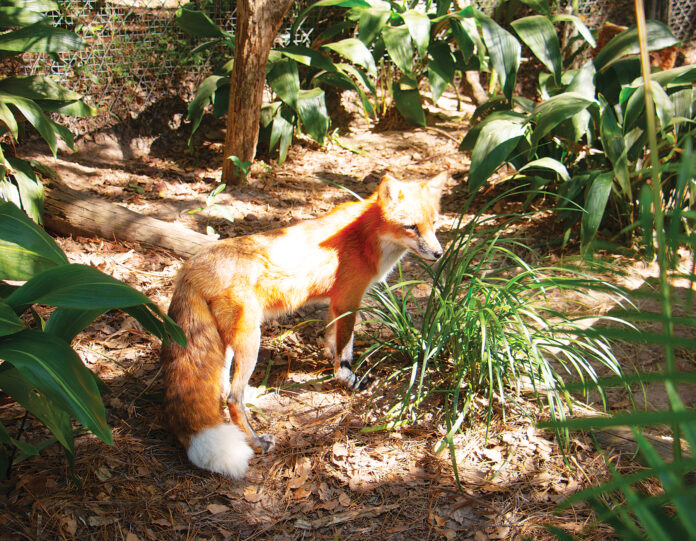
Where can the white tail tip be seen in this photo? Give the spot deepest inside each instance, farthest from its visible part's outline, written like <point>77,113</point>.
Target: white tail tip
<point>221,449</point>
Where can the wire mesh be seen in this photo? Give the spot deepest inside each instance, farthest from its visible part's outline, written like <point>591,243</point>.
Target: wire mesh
<point>137,55</point>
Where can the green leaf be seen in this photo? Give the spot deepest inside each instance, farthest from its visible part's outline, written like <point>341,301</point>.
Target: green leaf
<point>615,148</point>
<point>408,101</point>
<point>203,97</point>
<point>626,43</point>
<point>441,68</point>
<point>55,370</point>
<point>30,188</point>
<point>579,26</point>
<point>8,118</point>
<point>311,108</point>
<point>67,323</point>
<point>583,83</point>
<point>595,203</point>
<point>539,35</point>
<point>196,23</point>
<point>11,16</point>
<point>548,114</point>
<point>56,419</point>
<point>25,249</point>
<point>156,322</point>
<point>397,40</point>
<point>36,87</point>
<point>496,141</point>
<point>505,52</point>
<point>9,322</point>
<point>76,286</point>
<point>418,25</point>
<point>40,38</point>
<point>682,74</point>
<point>281,131</point>
<point>549,164</point>
<point>33,5</point>
<point>48,129</point>
<point>284,80</point>
<point>354,50</point>
<point>540,6</point>
<point>308,57</point>
<point>371,22</point>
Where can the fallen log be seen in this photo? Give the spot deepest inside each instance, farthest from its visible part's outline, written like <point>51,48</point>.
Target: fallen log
<point>72,212</point>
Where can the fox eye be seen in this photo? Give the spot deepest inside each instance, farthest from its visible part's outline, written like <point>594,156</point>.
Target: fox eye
<point>412,227</point>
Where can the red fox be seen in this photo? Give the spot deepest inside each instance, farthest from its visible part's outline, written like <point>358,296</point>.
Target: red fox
<point>227,290</point>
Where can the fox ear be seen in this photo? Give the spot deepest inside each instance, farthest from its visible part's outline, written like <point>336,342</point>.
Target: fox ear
<point>436,183</point>
<point>389,190</point>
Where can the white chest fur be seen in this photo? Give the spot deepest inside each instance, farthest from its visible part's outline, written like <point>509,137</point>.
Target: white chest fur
<point>391,253</point>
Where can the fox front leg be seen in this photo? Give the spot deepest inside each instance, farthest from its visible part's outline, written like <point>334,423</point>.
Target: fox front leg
<point>340,341</point>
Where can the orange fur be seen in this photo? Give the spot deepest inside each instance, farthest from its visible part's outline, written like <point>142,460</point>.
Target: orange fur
<point>225,292</point>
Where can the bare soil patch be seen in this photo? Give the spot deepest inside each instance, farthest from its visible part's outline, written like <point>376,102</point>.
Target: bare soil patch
<point>326,478</point>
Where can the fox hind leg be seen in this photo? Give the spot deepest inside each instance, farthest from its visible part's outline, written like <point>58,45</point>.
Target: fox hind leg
<point>241,333</point>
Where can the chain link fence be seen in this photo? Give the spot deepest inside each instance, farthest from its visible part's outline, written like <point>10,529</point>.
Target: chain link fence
<point>137,55</point>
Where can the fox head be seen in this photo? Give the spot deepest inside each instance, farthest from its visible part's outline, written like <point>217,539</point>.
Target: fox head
<point>409,210</point>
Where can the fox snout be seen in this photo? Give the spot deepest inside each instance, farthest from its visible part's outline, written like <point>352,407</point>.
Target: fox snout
<point>428,247</point>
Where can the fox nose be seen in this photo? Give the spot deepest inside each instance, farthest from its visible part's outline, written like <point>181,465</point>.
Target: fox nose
<point>437,254</point>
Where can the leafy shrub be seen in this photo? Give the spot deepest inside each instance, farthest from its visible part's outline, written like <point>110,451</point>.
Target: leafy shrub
<point>586,139</point>
<point>39,369</point>
<point>24,27</point>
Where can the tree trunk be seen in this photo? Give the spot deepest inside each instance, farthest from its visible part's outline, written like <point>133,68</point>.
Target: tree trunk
<point>258,22</point>
<point>71,212</point>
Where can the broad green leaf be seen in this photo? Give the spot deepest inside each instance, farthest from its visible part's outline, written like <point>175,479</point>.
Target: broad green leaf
<point>12,16</point>
<point>548,114</point>
<point>57,420</point>
<point>284,80</point>
<point>48,129</point>
<point>615,148</point>
<point>371,22</point>
<point>635,105</point>
<point>397,40</point>
<point>550,164</point>
<point>30,188</point>
<point>489,115</point>
<point>308,57</point>
<point>281,131</point>
<point>67,323</point>
<point>354,50</point>
<point>418,25</point>
<point>25,249</point>
<point>156,322</point>
<point>626,43</point>
<point>595,203</point>
<point>76,286</point>
<point>408,101</point>
<point>539,35</point>
<point>9,322</point>
<point>682,74</point>
<point>8,118</point>
<point>505,52</point>
<point>341,79</point>
<point>540,6</point>
<point>196,23</point>
<point>36,87</point>
<point>311,108</point>
<point>497,139</point>
<point>466,36</point>
<point>579,26</point>
<point>55,370</point>
<point>441,68</point>
<point>40,38</point>
<point>33,5</point>
<point>583,83</point>
<point>202,98</point>
<point>327,3</point>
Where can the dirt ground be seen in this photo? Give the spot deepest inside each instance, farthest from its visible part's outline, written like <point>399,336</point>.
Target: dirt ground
<point>326,478</point>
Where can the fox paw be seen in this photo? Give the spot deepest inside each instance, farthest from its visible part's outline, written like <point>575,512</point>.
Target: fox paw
<point>352,382</point>
<point>263,443</point>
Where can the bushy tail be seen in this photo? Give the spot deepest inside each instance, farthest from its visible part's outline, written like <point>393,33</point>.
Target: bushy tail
<point>193,385</point>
